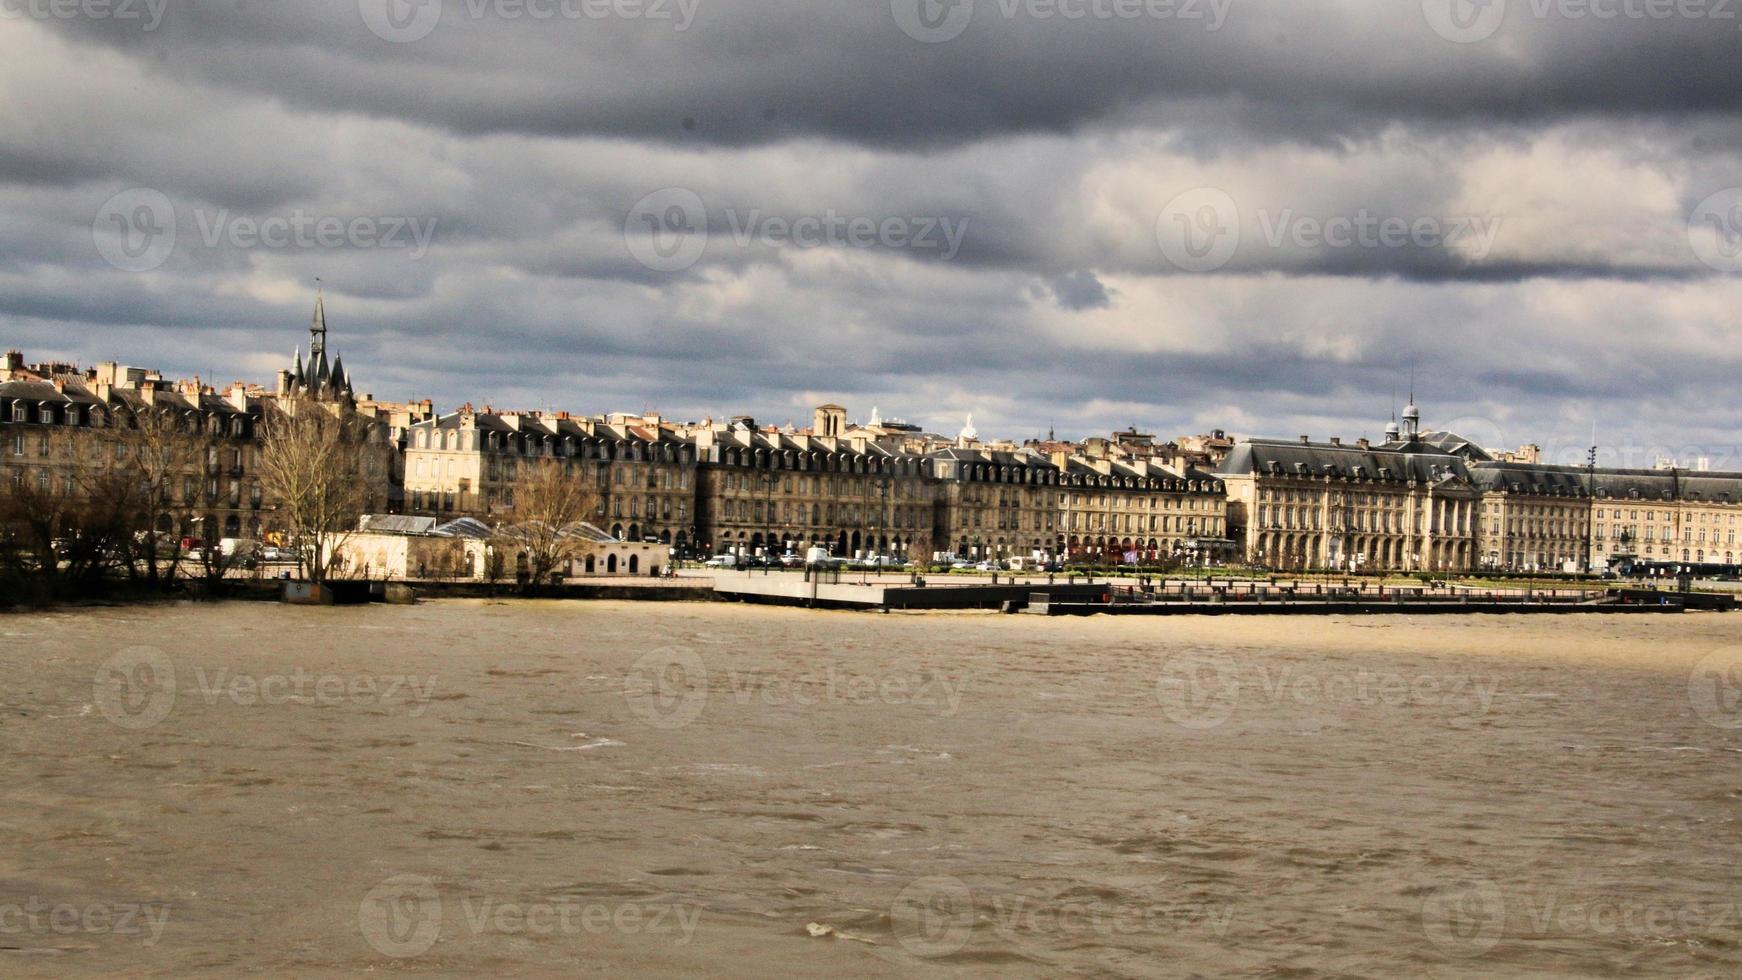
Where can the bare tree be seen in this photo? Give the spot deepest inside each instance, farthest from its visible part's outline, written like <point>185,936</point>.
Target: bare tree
<point>549,502</point>
<point>158,450</point>
<point>64,527</point>
<point>311,467</point>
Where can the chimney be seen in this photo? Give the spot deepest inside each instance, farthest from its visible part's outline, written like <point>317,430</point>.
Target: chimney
<point>1306,440</point>
<point>1364,444</point>
<point>1336,440</point>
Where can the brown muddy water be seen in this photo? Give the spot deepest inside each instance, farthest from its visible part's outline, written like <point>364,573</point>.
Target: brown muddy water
<point>620,789</point>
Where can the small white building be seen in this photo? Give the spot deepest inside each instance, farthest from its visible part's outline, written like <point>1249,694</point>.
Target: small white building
<point>392,546</point>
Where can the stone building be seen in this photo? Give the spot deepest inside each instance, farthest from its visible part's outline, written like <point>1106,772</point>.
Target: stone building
<point>1542,517</point>
<point>995,503</point>
<point>1304,505</point>
<point>60,423</point>
<point>1139,509</point>
<point>764,491</point>
<point>643,471</point>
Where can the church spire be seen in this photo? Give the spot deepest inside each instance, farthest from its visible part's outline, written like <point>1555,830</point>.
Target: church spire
<point>317,329</point>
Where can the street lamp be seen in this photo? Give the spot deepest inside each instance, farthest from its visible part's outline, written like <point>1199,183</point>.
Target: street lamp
<point>769,480</point>
<point>1591,505</point>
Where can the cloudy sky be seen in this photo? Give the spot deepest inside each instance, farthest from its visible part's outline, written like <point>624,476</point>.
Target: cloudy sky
<point>1253,215</point>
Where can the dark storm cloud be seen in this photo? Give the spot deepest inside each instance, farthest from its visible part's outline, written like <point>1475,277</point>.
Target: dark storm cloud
<point>754,71</point>
<point>1053,147</point>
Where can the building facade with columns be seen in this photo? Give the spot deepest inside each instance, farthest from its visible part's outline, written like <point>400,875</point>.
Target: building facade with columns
<point>1305,505</point>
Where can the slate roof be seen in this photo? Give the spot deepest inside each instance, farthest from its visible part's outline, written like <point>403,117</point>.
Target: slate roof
<point>1282,458</point>
<point>1613,484</point>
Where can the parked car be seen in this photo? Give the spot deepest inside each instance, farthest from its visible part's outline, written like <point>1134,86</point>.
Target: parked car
<point>791,560</point>
<point>721,561</point>
<point>271,554</point>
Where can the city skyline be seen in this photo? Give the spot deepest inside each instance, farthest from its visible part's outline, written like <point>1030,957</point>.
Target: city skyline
<point>1254,216</point>
<point>1482,432</point>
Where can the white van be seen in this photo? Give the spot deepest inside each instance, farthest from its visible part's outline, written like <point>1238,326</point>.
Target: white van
<point>820,557</point>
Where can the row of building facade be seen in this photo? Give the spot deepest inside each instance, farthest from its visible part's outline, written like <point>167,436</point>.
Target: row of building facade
<point>1418,500</point>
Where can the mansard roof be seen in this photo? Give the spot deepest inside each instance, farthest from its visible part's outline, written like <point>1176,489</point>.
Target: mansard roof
<point>995,457</point>
<point>1299,459</point>
<point>1611,484</point>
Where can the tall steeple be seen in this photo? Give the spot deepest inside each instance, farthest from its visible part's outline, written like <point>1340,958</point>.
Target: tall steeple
<point>317,330</point>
